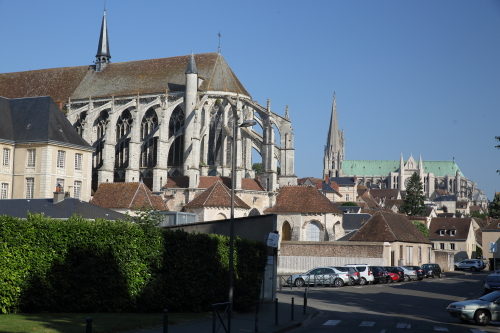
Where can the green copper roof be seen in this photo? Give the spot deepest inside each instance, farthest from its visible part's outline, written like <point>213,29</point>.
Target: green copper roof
<point>383,168</point>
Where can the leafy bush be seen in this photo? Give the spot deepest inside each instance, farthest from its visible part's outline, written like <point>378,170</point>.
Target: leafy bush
<point>80,265</point>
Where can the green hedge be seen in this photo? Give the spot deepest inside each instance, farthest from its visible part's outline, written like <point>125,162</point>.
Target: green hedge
<point>79,265</point>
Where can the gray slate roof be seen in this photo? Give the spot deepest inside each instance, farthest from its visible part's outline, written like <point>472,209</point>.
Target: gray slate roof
<point>343,180</point>
<point>61,210</point>
<point>353,221</point>
<point>36,119</point>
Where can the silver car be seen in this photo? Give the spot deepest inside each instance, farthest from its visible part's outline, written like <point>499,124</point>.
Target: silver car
<point>472,264</point>
<point>318,275</point>
<point>481,310</point>
<point>409,274</point>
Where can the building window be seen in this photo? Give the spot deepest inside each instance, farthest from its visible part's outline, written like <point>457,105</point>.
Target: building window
<point>441,232</point>
<point>4,193</point>
<point>441,246</point>
<point>6,157</point>
<point>452,232</point>
<point>347,188</point>
<point>419,254</point>
<point>78,189</point>
<point>286,231</point>
<point>347,197</point>
<point>61,156</point>
<point>31,158</point>
<point>452,246</point>
<point>78,161</point>
<point>313,232</point>
<point>30,188</point>
<point>60,184</point>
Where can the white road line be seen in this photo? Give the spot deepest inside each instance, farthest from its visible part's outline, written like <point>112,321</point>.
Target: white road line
<point>475,330</point>
<point>440,329</point>
<point>332,322</point>
<point>367,323</point>
<point>402,325</point>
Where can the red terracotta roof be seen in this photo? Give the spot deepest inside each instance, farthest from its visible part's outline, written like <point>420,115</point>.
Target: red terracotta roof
<point>218,195</point>
<point>389,227</point>
<point>127,196</point>
<point>302,199</point>
<point>493,225</point>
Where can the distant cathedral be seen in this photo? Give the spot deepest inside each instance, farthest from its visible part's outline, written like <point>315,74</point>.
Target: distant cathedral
<point>394,174</point>
<point>154,119</point>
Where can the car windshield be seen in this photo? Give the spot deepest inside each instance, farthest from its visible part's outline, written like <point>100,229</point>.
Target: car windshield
<point>426,266</point>
<point>490,297</point>
<point>412,267</point>
<point>495,279</point>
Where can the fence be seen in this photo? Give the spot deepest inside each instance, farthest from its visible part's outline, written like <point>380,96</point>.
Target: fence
<point>308,281</point>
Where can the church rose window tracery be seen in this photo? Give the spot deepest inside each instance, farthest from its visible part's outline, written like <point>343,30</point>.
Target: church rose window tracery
<point>176,123</point>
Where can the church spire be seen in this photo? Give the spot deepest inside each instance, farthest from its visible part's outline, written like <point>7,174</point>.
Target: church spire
<point>334,149</point>
<point>103,55</point>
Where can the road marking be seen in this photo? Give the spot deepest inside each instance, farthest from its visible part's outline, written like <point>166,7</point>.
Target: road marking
<point>367,323</point>
<point>332,322</point>
<point>475,330</point>
<point>402,325</point>
<point>440,329</point>
<point>383,331</point>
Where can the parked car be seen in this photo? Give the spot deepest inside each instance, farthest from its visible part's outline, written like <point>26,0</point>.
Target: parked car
<point>481,310</point>
<point>492,283</point>
<point>432,270</point>
<point>472,264</point>
<point>318,275</point>
<point>379,274</point>
<point>355,277</point>
<point>419,270</point>
<point>397,271</point>
<point>409,274</point>
<point>365,273</point>
<point>394,277</point>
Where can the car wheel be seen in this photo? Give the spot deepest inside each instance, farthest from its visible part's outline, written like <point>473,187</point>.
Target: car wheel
<point>299,282</point>
<point>482,317</point>
<point>473,269</point>
<point>351,282</point>
<point>338,283</point>
<point>407,278</point>
<point>439,275</point>
<point>456,268</point>
<point>363,281</point>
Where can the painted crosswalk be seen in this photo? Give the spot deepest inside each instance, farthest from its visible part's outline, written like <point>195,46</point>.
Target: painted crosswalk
<point>335,322</point>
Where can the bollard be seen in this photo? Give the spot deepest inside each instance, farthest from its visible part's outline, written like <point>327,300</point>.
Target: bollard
<point>89,325</point>
<point>292,307</point>
<point>305,301</point>
<point>213,320</point>
<point>276,311</point>
<point>165,321</point>
<point>257,316</point>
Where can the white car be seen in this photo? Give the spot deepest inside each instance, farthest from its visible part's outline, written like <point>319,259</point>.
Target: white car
<point>318,275</point>
<point>472,264</point>
<point>364,272</point>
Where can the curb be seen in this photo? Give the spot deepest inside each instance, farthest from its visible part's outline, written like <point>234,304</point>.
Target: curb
<point>297,325</point>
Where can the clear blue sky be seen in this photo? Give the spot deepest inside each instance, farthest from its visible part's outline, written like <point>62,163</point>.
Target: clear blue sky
<point>411,77</point>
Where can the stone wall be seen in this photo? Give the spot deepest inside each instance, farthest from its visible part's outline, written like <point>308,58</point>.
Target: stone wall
<point>445,260</point>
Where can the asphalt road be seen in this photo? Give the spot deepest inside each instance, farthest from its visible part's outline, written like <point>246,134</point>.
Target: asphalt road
<point>396,307</point>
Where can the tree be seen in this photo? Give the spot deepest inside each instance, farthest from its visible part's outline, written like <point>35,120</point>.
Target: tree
<point>477,214</point>
<point>348,203</point>
<point>414,201</point>
<point>257,167</point>
<point>495,206</point>
<point>421,227</point>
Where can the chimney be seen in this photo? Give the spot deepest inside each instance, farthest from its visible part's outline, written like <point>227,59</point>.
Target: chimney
<point>58,194</point>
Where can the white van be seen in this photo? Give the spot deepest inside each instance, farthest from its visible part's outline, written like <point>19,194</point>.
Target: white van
<point>364,272</point>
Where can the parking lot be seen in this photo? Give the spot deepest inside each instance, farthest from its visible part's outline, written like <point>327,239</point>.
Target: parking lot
<point>418,306</point>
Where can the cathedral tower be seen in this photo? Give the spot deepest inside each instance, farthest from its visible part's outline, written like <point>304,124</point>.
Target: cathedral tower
<point>103,55</point>
<point>334,149</point>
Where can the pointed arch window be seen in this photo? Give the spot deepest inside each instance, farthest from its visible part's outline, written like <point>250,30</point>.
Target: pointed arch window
<point>313,232</point>
<point>176,123</point>
<point>80,123</point>
<point>286,231</point>
<point>100,124</point>
<point>150,144</point>
<point>123,127</point>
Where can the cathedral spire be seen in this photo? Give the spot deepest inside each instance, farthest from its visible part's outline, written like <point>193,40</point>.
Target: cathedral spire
<point>103,55</point>
<point>334,149</point>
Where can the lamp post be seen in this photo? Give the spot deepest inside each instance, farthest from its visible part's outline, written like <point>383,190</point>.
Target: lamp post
<point>246,123</point>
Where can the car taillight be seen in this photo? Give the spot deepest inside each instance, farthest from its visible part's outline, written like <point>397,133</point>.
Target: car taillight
<point>356,273</point>
<point>414,272</point>
<point>369,272</point>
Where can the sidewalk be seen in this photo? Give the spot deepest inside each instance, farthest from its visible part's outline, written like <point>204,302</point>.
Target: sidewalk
<point>245,322</point>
